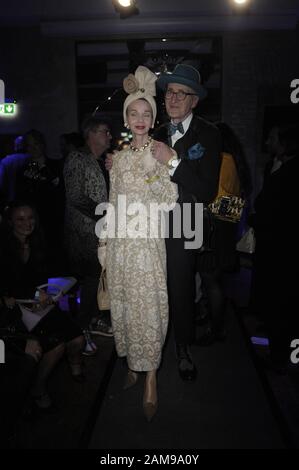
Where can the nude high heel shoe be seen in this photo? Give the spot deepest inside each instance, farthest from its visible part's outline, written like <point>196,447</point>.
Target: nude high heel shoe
<point>150,400</point>
<point>131,379</point>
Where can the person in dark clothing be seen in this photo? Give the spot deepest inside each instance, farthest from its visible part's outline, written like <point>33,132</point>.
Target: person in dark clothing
<point>275,253</point>
<point>17,375</point>
<point>23,269</point>
<point>274,150</point>
<point>11,167</point>
<point>221,257</point>
<point>194,165</point>
<point>40,182</point>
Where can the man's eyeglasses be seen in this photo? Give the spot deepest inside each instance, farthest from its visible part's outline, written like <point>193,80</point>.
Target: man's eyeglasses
<point>106,131</point>
<point>180,95</point>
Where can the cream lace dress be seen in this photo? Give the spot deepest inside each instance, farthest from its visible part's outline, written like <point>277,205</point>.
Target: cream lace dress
<point>136,267</point>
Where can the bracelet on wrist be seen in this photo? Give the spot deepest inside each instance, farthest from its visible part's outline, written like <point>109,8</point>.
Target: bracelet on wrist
<point>152,179</point>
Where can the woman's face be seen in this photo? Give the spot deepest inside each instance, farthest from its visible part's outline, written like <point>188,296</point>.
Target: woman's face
<point>140,117</point>
<point>23,221</point>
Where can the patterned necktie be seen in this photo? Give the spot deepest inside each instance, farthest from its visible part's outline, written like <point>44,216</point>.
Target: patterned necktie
<point>172,128</point>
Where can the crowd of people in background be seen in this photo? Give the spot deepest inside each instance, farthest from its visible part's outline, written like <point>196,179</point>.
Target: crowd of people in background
<point>47,230</point>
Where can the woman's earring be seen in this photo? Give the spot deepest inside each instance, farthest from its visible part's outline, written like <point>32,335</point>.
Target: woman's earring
<point>127,125</point>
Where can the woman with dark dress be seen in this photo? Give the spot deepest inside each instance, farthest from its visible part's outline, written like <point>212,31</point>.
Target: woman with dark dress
<point>23,269</point>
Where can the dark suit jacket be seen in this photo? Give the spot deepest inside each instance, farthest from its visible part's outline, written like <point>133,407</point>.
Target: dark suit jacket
<point>276,210</point>
<point>11,167</point>
<point>197,179</point>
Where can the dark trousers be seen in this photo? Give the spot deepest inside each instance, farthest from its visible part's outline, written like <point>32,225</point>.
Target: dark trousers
<point>88,272</point>
<point>214,293</point>
<point>181,270</point>
<point>88,300</point>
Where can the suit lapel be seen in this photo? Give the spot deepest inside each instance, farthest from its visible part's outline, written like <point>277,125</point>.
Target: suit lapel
<point>182,145</point>
<point>189,138</point>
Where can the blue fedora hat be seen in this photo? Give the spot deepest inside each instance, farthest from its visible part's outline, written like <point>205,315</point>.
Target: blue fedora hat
<point>185,75</point>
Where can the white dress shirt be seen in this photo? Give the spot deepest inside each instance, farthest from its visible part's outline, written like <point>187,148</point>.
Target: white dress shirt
<point>178,135</point>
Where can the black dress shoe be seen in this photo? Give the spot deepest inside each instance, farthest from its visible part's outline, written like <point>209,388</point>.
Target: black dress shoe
<point>186,367</point>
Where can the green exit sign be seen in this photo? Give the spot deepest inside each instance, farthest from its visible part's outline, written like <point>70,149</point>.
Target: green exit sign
<point>7,109</point>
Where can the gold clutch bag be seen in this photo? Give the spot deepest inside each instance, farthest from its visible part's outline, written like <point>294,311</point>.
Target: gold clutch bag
<point>228,208</point>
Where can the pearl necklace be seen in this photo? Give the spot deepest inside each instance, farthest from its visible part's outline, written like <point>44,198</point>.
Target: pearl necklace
<point>140,149</point>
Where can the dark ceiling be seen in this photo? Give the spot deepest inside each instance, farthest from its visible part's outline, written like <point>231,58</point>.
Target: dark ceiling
<point>89,17</point>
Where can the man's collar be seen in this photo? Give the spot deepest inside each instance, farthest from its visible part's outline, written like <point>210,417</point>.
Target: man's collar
<point>186,122</point>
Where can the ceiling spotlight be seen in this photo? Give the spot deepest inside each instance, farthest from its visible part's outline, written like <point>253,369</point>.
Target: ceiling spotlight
<point>125,3</point>
<point>241,7</point>
<point>240,2</point>
<point>125,7</point>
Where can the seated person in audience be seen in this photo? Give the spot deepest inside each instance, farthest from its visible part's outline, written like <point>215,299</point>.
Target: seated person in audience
<point>23,261</point>
<point>22,354</point>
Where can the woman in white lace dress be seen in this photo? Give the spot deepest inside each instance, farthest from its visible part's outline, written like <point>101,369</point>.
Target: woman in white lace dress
<point>136,256</point>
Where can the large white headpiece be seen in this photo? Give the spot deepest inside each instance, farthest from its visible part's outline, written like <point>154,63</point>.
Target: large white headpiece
<point>140,86</point>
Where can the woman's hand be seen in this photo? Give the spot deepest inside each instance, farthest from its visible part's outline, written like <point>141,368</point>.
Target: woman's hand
<point>162,152</point>
<point>44,300</point>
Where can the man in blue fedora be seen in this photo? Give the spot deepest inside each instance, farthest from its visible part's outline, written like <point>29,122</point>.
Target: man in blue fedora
<point>195,167</point>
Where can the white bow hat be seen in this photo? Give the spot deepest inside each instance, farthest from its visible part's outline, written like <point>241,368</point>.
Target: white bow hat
<point>140,86</point>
